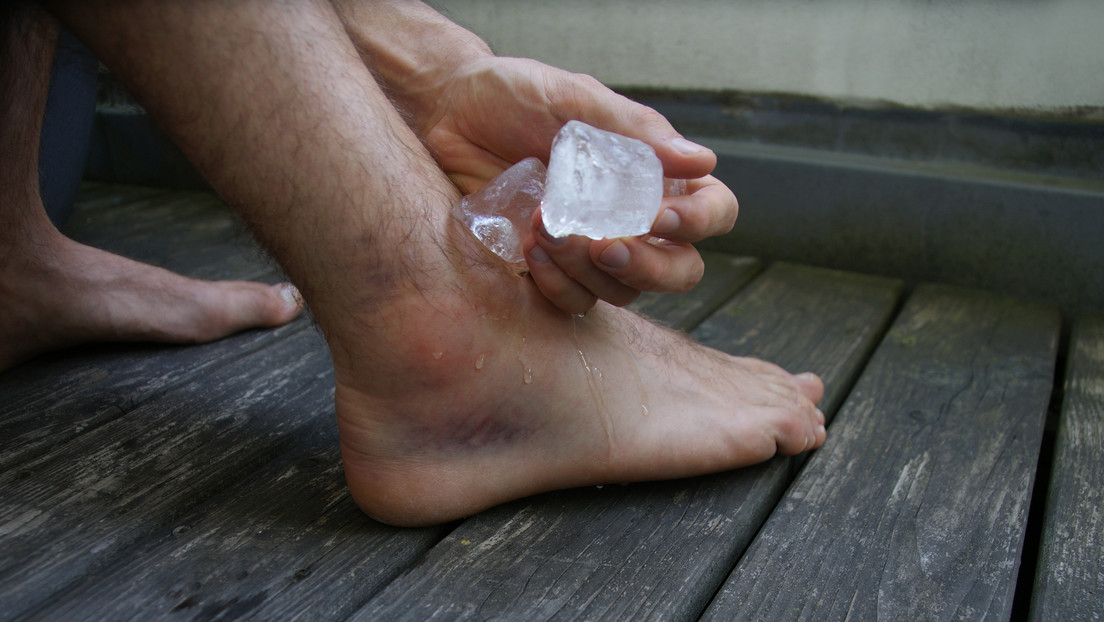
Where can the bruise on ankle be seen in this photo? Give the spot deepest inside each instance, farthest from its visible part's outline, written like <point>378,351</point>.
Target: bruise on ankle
<point>466,435</point>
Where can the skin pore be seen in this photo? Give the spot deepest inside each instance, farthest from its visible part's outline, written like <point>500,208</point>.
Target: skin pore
<point>459,385</point>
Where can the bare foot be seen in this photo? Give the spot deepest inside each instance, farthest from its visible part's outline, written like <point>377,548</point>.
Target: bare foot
<point>56,293</point>
<point>482,392</point>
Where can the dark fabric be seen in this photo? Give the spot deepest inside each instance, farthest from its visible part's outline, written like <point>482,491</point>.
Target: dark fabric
<point>67,126</point>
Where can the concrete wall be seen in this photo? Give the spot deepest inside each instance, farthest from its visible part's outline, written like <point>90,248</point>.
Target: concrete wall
<point>1031,56</point>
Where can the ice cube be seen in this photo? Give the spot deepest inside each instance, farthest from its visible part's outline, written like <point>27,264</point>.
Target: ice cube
<point>600,184</point>
<point>500,211</point>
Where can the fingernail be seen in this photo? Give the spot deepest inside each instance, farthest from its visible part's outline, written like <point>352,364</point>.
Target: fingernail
<point>552,240</point>
<point>668,222</point>
<point>616,255</point>
<point>808,375</point>
<point>291,295</point>
<point>689,148</point>
<point>539,255</point>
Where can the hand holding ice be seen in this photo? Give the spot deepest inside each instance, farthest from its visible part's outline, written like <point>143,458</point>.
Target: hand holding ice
<point>600,184</point>
<point>607,186</point>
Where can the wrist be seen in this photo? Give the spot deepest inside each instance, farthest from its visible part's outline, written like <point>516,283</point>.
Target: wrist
<point>413,51</point>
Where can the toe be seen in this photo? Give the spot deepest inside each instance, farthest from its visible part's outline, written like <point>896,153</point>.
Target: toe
<point>290,304</point>
<point>232,306</point>
<point>810,386</point>
<point>251,305</point>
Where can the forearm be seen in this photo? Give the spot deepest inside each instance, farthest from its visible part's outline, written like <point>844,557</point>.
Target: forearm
<point>412,49</point>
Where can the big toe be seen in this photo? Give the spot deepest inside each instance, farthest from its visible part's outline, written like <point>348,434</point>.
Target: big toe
<point>252,305</point>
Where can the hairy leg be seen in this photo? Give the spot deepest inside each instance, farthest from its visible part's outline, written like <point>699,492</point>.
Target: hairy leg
<point>458,385</point>
<point>55,292</point>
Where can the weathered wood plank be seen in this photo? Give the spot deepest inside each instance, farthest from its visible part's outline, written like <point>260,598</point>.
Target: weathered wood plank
<point>724,276</point>
<point>1069,579</point>
<point>53,399</point>
<point>94,196</point>
<point>191,233</point>
<point>75,509</point>
<point>656,550</point>
<point>285,543</point>
<point>105,220</point>
<point>916,506</point>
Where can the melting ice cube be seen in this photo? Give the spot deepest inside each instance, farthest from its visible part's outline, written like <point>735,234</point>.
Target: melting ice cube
<point>600,184</point>
<point>499,212</point>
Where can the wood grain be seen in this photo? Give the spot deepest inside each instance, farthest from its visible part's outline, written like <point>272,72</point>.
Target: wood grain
<point>916,506</point>
<point>190,233</point>
<point>286,542</point>
<point>75,509</point>
<point>1069,579</point>
<point>53,399</point>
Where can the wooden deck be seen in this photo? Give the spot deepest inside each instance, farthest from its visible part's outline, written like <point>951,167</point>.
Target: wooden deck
<point>147,482</point>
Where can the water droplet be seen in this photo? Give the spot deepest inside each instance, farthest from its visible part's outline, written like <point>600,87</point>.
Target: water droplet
<point>479,361</point>
<point>644,410</point>
<point>438,355</point>
<point>528,376</point>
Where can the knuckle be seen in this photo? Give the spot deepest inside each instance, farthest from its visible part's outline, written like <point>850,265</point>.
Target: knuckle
<point>692,275</point>
<point>697,222</point>
<point>646,116</point>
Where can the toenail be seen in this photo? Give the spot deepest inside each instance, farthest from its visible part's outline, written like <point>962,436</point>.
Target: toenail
<point>291,295</point>
<point>668,222</point>
<point>616,255</point>
<point>539,255</point>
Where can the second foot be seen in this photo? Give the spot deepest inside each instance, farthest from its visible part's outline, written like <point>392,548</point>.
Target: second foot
<point>65,293</point>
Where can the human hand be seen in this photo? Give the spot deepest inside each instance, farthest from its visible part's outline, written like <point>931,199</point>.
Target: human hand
<point>480,132</point>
